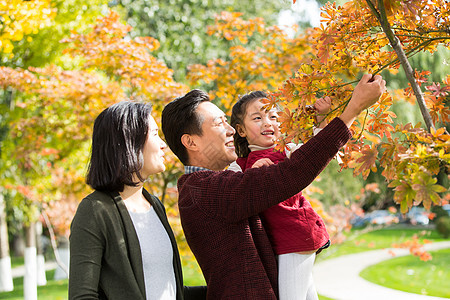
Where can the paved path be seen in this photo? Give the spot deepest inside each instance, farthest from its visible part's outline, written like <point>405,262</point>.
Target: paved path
<point>339,279</point>
<point>19,271</point>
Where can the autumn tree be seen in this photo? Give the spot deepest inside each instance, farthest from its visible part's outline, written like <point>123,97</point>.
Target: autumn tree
<point>141,76</point>
<point>50,127</point>
<point>250,66</point>
<point>18,19</point>
<point>180,26</point>
<point>410,156</point>
<point>42,45</point>
<point>372,36</point>
<point>58,106</point>
<point>22,18</point>
<point>32,31</point>
<point>333,56</point>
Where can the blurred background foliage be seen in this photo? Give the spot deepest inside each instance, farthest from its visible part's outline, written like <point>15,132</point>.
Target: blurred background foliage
<point>180,26</point>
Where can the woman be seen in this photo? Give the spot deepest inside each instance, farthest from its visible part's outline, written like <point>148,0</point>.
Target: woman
<point>121,244</point>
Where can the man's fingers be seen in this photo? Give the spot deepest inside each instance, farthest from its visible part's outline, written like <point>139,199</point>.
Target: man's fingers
<point>367,78</point>
<point>262,162</point>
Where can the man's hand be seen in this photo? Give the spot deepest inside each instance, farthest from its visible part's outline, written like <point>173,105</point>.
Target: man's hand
<point>367,92</point>
<point>262,162</point>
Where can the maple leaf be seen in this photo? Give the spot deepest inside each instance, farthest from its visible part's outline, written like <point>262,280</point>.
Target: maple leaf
<point>437,90</point>
<point>365,161</point>
<point>427,190</point>
<point>421,77</point>
<point>403,194</point>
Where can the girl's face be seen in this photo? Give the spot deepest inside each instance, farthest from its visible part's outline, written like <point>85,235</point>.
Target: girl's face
<point>260,127</point>
<point>153,151</point>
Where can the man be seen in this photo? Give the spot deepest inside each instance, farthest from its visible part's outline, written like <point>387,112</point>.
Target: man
<point>219,209</point>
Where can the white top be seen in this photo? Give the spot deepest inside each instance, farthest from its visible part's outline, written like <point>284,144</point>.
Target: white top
<point>157,256</point>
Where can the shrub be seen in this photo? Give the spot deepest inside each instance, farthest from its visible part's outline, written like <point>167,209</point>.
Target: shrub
<point>443,226</point>
<point>440,212</point>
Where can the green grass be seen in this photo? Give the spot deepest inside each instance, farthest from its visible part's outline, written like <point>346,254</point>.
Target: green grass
<point>192,275</point>
<point>410,274</point>
<point>367,240</point>
<point>16,261</point>
<point>57,289</point>
<point>324,298</point>
<point>54,290</point>
<point>360,240</point>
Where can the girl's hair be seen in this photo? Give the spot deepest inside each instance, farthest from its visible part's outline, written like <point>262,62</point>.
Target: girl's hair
<point>237,117</point>
<point>119,135</point>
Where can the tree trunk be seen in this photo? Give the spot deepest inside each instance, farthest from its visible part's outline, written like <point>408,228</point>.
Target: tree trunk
<point>62,271</point>
<point>6,281</point>
<point>409,72</point>
<point>30,279</point>
<point>41,278</point>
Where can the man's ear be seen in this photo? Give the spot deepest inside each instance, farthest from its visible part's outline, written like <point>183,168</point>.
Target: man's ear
<point>188,141</point>
<point>240,130</point>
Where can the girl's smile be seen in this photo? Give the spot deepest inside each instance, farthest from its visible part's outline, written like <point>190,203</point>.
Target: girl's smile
<point>260,127</point>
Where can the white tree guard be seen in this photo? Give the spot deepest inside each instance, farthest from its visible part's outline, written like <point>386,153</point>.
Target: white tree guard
<point>30,278</point>
<point>6,280</point>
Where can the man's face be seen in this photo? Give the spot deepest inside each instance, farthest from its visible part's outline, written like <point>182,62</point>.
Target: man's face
<point>216,144</point>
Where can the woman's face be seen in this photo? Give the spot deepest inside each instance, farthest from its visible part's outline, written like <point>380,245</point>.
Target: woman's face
<point>153,151</point>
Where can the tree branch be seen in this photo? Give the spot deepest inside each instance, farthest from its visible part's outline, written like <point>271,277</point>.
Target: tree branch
<point>60,263</point>
<point>409,72</point>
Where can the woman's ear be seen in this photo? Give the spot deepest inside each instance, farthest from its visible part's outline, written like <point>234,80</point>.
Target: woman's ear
<point>240,130</point>
<point>188,141</point>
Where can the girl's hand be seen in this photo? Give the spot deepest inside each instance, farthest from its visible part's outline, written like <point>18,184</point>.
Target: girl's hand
<point>262,162</point>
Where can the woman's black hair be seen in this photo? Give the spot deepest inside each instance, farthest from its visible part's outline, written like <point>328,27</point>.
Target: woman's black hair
<point>237,117</point>
<point>119,135</point>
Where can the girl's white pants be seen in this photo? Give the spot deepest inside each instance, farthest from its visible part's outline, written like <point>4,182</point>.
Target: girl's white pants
<point>295,280</point>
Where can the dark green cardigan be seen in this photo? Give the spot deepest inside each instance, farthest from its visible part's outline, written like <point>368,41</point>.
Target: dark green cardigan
<point>105,255</point>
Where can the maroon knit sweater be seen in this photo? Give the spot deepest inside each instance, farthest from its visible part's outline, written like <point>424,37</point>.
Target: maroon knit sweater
<point>292,225</point>
<point>219,214</point>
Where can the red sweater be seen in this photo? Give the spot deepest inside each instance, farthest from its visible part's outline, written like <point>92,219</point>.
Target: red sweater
<point>219,214</point>
<point>292,225</point>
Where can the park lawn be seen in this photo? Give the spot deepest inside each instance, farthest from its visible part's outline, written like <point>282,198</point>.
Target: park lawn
<point>54,290</point>
<point>16,261</point>
<point>192,274</point>
<point>410,274</point>
<point>324,298</point>
<point>57,289</point>
<point>359,240</point>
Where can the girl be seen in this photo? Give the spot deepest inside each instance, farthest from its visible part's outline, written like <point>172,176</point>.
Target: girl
<point>295,230</point>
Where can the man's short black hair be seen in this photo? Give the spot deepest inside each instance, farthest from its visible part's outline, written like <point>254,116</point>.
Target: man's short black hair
<point>119,135</point>
<point>179,117</point>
